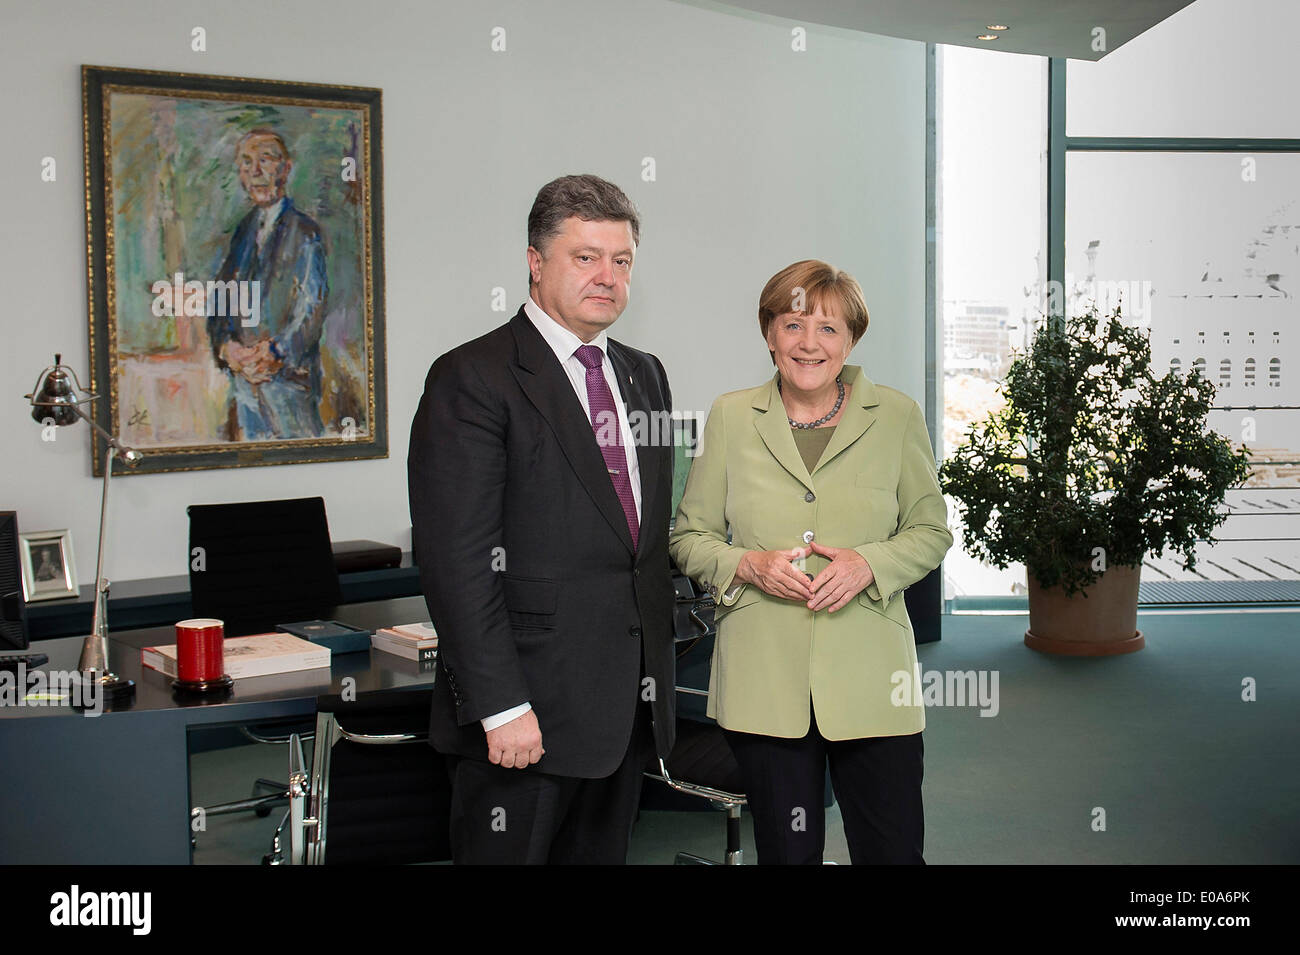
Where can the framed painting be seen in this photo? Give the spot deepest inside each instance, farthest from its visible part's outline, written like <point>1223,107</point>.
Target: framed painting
<point>235,269</point>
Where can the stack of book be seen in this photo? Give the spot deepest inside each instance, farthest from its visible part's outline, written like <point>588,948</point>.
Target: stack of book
<point>260,655</point>
<point>414,641</point>
<point>338,636</point>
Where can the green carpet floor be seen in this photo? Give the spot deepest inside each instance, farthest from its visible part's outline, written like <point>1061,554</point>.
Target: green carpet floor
<point>1159,745</point>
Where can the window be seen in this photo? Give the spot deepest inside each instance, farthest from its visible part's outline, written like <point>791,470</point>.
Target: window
<point>991,226</point>
<point>1181,200</point>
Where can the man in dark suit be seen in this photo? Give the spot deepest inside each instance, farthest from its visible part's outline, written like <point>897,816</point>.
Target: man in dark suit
<point>540,506</point>
<point>274,361</point>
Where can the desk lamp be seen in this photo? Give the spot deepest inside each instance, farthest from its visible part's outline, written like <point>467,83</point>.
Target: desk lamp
<point>56,400</point>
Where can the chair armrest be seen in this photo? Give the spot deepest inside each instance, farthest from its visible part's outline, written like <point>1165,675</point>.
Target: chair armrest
<point>380,739</point>
<point>695,789</point>
<point>267,738</point>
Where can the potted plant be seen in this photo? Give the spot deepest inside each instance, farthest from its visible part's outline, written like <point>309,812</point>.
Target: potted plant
<point>1093,462</point>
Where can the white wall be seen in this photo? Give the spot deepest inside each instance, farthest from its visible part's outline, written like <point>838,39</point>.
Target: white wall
<point>764,156</point>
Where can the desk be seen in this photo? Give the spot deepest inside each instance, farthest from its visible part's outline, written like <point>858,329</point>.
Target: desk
<point>114,789</point>
<point>161,601</point>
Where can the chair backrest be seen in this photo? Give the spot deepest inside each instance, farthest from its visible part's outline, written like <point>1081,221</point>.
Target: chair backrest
<point>384,800</point>
<point>262,563</point>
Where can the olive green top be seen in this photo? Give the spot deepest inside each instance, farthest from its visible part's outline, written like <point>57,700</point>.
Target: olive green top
<point>811,442</point>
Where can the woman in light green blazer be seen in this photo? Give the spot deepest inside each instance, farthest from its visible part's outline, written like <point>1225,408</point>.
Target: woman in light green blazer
<point>826,483</point>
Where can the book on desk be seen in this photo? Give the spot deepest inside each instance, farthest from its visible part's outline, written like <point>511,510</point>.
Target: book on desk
<point>338,636</point>
<point>284,652</point>
<point>413,641</point>
<point>262,654</point>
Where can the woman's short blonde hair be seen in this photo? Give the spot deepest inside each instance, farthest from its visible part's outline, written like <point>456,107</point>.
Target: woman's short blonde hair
<point>811,283</point>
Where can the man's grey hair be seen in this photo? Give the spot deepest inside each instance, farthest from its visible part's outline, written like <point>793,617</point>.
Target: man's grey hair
<point>588,197</point>
<point>263,131</point>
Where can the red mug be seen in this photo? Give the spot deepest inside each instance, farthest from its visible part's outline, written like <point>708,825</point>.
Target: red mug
<point>199,645</point>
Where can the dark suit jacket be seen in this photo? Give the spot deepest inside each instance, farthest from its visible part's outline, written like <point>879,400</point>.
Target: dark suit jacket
<point>294,286</point>
<point>525,556</point>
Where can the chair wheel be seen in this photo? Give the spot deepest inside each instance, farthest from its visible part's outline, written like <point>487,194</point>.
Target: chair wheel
<point>269,859</point>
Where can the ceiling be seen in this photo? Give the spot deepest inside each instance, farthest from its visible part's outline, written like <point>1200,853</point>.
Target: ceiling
<point>1044,27</point>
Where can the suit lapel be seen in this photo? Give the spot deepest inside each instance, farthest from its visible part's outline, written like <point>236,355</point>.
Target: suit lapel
<point>857,417</point>
<point>547,386</point>
<point>243,249</point>
<point>774,426</point>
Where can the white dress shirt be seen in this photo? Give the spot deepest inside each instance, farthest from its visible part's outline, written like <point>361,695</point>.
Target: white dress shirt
<point>565,344</point>
<point>266,220</point>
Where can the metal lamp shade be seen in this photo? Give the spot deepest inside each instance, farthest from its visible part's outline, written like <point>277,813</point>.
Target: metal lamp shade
<point>56,396</point>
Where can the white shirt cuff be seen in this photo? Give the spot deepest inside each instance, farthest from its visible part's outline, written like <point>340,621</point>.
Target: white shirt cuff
<point>505,716</point>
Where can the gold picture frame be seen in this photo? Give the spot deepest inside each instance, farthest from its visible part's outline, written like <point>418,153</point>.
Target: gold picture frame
<point>177,231</point>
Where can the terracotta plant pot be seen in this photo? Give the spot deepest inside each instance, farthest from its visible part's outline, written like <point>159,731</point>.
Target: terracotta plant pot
<point>1101,624</point>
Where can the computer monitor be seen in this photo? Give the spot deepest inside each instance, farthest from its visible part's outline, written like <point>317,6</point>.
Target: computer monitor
<point>13,611</point>
<point>686,446</point>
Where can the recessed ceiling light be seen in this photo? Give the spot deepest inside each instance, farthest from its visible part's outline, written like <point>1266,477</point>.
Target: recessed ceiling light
<point>987,36</point>
<point>996,26</point>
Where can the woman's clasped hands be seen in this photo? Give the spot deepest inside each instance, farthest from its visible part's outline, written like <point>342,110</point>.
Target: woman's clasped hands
<point>775,572</point>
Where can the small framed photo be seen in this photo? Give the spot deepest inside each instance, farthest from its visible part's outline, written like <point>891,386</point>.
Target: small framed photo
<point>49,571</point>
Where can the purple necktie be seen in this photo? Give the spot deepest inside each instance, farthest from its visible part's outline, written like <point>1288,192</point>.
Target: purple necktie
<point>609,435</point>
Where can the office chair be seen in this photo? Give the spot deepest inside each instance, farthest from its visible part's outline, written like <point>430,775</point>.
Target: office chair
<point>701,764</point>
<point>376,793</point>
<point>254,565</point>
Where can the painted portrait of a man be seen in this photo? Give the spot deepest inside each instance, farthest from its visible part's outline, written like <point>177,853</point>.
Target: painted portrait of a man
<point>240,321</point>
<point>274,365</point>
